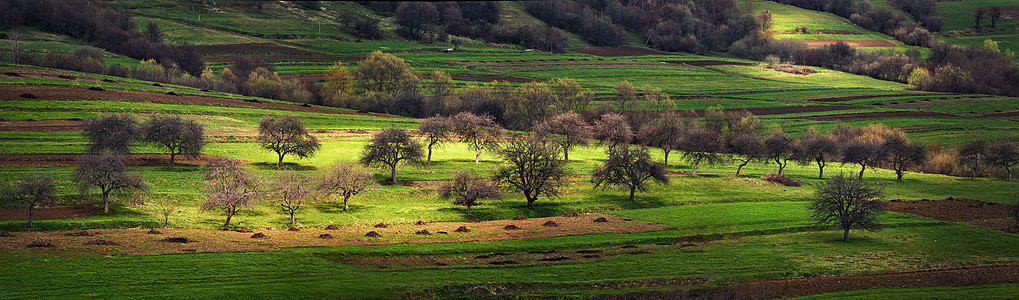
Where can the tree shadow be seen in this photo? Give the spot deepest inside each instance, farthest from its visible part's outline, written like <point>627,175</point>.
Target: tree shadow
<point>290,166</point>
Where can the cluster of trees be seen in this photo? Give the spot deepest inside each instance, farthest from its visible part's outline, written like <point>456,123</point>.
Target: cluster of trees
<point>102,26</point>
<point>594,27</point>
<point>993,14</point>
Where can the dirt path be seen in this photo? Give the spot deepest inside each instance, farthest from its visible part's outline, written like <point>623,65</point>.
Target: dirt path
<point>973,212</point>
<point>42,125</point>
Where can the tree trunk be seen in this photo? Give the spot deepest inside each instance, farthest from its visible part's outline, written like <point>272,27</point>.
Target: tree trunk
<point>633,189</point>
<point>392,175</point>
<point>1009,173</point>
<point>820,170</point>
<point>566,154</point>
<point>845,235</point>
<point>429,155</point>
<point>667,158</point>
<point>31,214</point>
<point>898,174</point>
<point>279,163</point>
<point>973,172</point>
<point>229,214</point>
<point>106,202</point>
<point>740,168</point>
<point>863,167</point>
<point>695,164</point>
<point>345,207</point>
<point>468,209</point>
<point>477,157</point>
<point>293,220</point>
<point>173,156</point>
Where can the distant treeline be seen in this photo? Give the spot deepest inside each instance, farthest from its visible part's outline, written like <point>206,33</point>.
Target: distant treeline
<point>100,25</point>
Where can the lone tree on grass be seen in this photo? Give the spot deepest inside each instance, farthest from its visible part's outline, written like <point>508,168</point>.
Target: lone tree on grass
<point>437,130</point>
<point>347,180</point>
<point>286,135</point>
<point>467,189</point>
<point>32,192</point>
<point>820,150</point>
<point>845,203</point>
<point>1005,155</point>
<point>902,154</point>
<point>703,145</point>
<point>108,173</point>
<point>177,135</point>
<point>113,134</point>
<point>534,168</point>
<point>974,152</point>
<point>748,147</point>
<point>567,130</point>
<point>780,149</point>
<point>629,167</point>
<point>230,187</point>
<point>478,132</point>
<point>390,147</point>
<point>291,190</point>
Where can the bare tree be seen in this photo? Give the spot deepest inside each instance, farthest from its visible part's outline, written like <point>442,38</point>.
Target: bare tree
<point>32,192</point>
<point>1003,154</point>
<point>153,32</point>
<point>15,41</point>
<point>613,129</point>
<point>230,187</point>
<point>390,147</point>
<point>902,154</point>
<point>861,153</point>
<point>780,149</point>
<point>113,133</point>
<point>108,173</point>
<point>286,135</point>
<point>437,130</point>
<point>291,190</point>
<point>629,167</point>
<point>478,132</point>
<point>166,206</point>
<point>468,189</point>
<point>347,180</point>
<point>703,145</point>
<point>974,151</point>
<point>667,133</point>
<point>177,135</point>
<point>567,130</point>
<point>820,150</point>
<point>748,147</point>
<point>845,203</point>
<point>534,168</point>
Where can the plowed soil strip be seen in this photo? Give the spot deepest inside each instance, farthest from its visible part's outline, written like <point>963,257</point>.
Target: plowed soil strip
<point>134,159</point>
<point>42,125</point>
<point>51,213</point>
<point>781,110</point>
<point>793,287</point>
<point>465,77</point>
<point>281,57</point>
<point>706,63</point>
<point>878,115</point>
<point>861,44</point>
<point>847,97</point>
<point>618,51</point>
<point>973,212</point>
<point>67,93</point>
<point>248,48</point>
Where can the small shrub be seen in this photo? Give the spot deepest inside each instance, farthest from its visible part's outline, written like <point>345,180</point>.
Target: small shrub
<point>782,179</point>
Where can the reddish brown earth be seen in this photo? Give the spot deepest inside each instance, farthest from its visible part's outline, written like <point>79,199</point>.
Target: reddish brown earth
<point>248,48</point>
<point>69,93</point>
<point>468,77</point>
<point>973,212</point>
<point>862,44</point>
<point>42,125</point>
<point>134,159</point>
<point>705,63</point>
<point>1006,114</point>
<point>878,115</point>
<point>618,51</point>
<point>789,109</point>
<point>265,52</point>
<point>847,97</point>
<point>51,213</point>
<point>226,58</point>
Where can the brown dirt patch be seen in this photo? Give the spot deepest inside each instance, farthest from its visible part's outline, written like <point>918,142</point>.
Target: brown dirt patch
<point>265,52</point>
<point>1006,114</point>
<point>248,48</point>
<point>134,159</point>
<point>51,213</point>
<point>861,44</point>
<point>847,97</point>
<point>781,110</point>
<point>227,58</point>
<point>973,212</point>
<point>68,93</point>
<point>878,115</point>
<point>618,51</point>
<point>138,242</point>
<point>42,125</point>
<point>708,63</point>
<point>915,128</point>
<point>465,77</point>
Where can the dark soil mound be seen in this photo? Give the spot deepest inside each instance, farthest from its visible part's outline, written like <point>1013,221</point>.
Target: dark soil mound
<point>28,96</point>
<point>474,220</point>
<point>157,84</point>
<point>154,231</point>
<point>600,220</point>
<point>557,258</point>
<point>462,229</point>
<point>587,251</point>
<point>482,257</point>
<point>6,234</point>
<point>373,234</point>
<point>179,240</point>
<point>332,227</point>
<point>101,242</point>
<point>172,94</point>
<point>79,233</point>
<point>542,252</point>
<point>591,256</point>
<point>96,88</point>
<point>12,74</point>
<point>628,247</point>
<point>294,229</point>
<point>550,224</point>
<point>41,244</point>
<point>68,77</point>
<point>419,223</point>
<point>381,225</point>
<point>502,262</point>
<point>259,236</point>
<point>423,232</point>
<point>571,215</point>
<point>511,227</point>
<point>244,230</point>
<point>325,236</point>
<point>109,80</point>
<point>520,217</point>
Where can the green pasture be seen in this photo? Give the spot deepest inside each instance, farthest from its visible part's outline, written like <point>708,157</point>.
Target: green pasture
<point>959,14</point>
<point>786,18</point>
